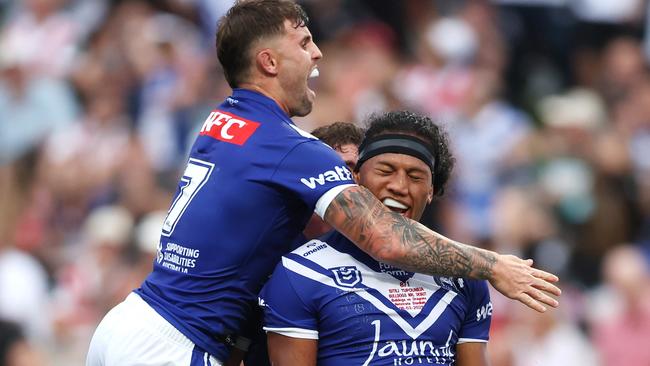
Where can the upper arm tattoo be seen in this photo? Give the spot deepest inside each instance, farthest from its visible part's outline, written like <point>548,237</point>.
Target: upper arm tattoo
<point>393,238</point>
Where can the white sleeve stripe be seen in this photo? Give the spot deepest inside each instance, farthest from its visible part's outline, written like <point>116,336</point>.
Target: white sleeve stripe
<point>471,340</point>
<point>327,198</point>
<point>294,332</point>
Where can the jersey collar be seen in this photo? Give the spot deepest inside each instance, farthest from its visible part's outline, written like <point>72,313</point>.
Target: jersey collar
<point>240,93</point>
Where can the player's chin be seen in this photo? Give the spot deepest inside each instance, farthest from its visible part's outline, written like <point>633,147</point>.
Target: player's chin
<point>304,108</point>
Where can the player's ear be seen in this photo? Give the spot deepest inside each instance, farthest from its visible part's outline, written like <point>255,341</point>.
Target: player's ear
<point>267,61</point>
<point>430,194</point>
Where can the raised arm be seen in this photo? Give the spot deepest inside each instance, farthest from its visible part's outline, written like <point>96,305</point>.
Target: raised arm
<point>391,238</point>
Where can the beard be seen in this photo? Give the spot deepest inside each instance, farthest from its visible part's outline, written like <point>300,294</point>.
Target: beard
<point>298,97</point>
<point>302,107</point>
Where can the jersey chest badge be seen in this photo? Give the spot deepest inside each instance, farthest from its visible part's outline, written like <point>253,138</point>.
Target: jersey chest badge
<point>346,276</point>
<point>228,128</point>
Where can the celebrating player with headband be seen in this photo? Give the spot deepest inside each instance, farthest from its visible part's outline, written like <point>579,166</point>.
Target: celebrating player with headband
<point>330,303</point>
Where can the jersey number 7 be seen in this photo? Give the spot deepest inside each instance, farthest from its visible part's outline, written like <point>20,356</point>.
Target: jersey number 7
<point>196,174</point>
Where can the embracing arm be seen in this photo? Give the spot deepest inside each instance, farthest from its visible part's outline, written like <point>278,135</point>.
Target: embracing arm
<point>391,238</point>
<point>288,351</point>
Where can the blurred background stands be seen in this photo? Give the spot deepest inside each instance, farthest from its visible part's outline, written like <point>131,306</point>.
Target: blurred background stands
<point>546,102</point>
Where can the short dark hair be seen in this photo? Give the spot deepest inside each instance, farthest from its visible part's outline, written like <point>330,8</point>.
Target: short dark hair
<point>245,23</point>
<point>338,134</point>
<point>422,127</point>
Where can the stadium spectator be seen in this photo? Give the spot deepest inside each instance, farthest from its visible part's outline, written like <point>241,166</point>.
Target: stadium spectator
<point>484,119</point>
<point>24,293</point>
<point>15,348</point>
<point>24,97</point>
<point>39,29</point>
<point>550,339</point>
<point>622,322</point>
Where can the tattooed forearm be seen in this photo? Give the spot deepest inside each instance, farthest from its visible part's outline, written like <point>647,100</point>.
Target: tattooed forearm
<point>446,254</point>
<point>394,239</point>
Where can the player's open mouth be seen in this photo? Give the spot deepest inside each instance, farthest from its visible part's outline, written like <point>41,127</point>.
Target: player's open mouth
<point>395,206</point>
<point>310,79</point>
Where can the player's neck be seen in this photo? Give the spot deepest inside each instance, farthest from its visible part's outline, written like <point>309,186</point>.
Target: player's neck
<point>268,90</point>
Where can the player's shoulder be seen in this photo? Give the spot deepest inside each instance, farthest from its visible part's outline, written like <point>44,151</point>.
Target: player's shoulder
<point>242,117</point>
<point>304,143</point>
<point>307,137</point>
<point>309,249</point>
<point>320,250</point>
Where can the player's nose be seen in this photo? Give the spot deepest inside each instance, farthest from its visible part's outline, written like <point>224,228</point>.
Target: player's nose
<point>316,53</point>
<point>398,184</point>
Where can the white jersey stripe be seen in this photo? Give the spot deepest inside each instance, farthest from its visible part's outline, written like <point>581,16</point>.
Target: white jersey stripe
<point>471,340</point>
<point>327,198</point>
<point>294,332</point>
<point>414,333</point>
<point>327,257</point>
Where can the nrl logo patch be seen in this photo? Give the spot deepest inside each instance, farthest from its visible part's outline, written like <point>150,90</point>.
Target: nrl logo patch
<point>346,276</point>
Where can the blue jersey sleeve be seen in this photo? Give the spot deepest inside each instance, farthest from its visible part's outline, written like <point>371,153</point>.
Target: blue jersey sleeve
<point>285,312</point>
<point>312,169</point>
<point>476,326</point>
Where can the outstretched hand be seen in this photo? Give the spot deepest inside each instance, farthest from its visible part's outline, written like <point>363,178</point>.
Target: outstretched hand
<point>518,280</point>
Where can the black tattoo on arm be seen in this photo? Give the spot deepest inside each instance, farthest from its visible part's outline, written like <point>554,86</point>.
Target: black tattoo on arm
<point>407,244</point>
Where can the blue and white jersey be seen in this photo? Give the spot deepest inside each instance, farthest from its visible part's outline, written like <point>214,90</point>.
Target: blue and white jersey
<point>365,312</point>
<point>252,181</point>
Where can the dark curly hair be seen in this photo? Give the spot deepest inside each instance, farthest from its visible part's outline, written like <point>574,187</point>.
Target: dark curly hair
<point>422,127</point>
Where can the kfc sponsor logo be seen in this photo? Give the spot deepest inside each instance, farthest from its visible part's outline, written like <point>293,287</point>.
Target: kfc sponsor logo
<point>340,173</point>
<point>226,127</point>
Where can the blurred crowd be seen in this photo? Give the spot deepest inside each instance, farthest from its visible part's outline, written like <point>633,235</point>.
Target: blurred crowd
<point>547,103</point>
